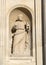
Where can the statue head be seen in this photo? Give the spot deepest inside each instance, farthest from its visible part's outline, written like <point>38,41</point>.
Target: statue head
<point>20,17</point>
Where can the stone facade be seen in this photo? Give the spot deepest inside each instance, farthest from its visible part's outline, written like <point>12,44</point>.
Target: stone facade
<point>34,7</point>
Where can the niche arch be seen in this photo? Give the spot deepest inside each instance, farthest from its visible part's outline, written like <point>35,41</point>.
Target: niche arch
<point>13,17</point>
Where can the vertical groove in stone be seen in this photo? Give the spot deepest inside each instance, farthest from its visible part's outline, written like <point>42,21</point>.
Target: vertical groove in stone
<point>3,28</point>
<point>0,37</point>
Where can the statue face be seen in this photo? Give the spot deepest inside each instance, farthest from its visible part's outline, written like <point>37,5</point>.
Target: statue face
<point>20,16</point>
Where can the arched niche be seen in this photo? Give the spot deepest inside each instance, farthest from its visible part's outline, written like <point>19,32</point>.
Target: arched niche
<point>24,17</point>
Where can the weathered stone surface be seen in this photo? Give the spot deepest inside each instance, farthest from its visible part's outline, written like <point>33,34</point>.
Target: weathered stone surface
<point>7,6</point>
